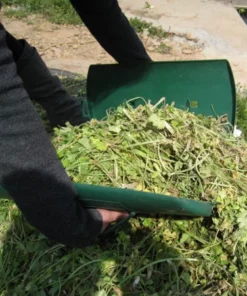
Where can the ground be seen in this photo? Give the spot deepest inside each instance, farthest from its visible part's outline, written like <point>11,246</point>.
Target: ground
<point>202,30</point>
<point>149,256</point>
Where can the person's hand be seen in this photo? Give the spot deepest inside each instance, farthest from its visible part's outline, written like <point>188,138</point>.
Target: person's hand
<point>110,216</point>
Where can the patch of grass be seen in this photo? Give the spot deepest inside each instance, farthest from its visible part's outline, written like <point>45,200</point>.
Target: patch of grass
<point>131,262</point>
<point>140,26</point>
<point>56,11</point>
<point>17,13</point>
<point>148,257</point>
<point>75,84</point>
<point>163,48</point>
<point>242,11</point>
<point>241,112</point>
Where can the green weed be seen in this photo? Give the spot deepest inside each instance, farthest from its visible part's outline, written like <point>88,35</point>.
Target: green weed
<point>163,48</point>
<point>140,26</point>
<point>19,13</point>
<point>149,257</point>
<point>131,261</point>
<point>242,11</point>
<point>56,11</point>
<point>241,111</point>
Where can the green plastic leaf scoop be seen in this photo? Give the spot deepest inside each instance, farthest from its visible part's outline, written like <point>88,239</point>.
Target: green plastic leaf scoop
<point>93,196</point>
<point>202,87</point>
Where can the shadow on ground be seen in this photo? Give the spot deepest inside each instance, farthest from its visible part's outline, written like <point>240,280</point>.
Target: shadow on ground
<point>135,261</point>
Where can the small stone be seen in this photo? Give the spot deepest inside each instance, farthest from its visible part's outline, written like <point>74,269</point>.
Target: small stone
<point>156,42</point>
<point>57,52</point>
<point>150,48</point>
<point>187,51</point>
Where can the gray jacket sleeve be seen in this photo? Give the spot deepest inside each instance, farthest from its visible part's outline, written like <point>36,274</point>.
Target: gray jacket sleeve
<point>30,170</point>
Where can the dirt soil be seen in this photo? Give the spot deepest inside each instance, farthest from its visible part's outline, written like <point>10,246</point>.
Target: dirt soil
<point>73,49</point>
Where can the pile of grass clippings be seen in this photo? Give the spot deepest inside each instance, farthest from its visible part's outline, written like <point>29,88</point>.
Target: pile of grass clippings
<point>151,148</point>
<point>170,151</point>
<point>163,150</point>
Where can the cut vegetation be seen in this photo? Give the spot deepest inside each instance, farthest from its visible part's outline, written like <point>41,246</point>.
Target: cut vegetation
<point>163,150</point>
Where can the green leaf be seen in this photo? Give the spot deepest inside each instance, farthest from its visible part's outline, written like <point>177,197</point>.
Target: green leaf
<point>31,287</point>
<point>160,123</point>
<point>101,293</point>
<point>193,104</point>
<point>184,238</point>
<point>147,222</point>
<point>85,143</point>
<point>72,157</point>
<point>98,144</point>
<point>53,291</point>
<point>139,153</point>
<point>242,220</point>
<point>40,293</point>
<point>206,171</point>
<point>157,121</point>
<point>186,278</point>
<point>217,250</point>
<point>178,166</point>
<point>115,129</point>
<point>2,217</point>
<point>155,175</point>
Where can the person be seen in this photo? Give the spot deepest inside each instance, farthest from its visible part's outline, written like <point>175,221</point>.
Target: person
<point>29,168</point>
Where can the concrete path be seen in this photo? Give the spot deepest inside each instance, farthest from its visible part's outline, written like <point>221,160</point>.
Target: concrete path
<point>235,3</point>
<point>239,3</point>
<point>216,24</point>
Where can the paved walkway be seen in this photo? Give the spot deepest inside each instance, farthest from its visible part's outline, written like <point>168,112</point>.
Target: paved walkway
<point>216,24</point>
<point>239,3</point>
<point>235,3</point>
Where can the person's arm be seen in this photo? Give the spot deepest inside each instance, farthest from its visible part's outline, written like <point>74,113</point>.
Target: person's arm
<point>31,172</point>
<point>112,30</point>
